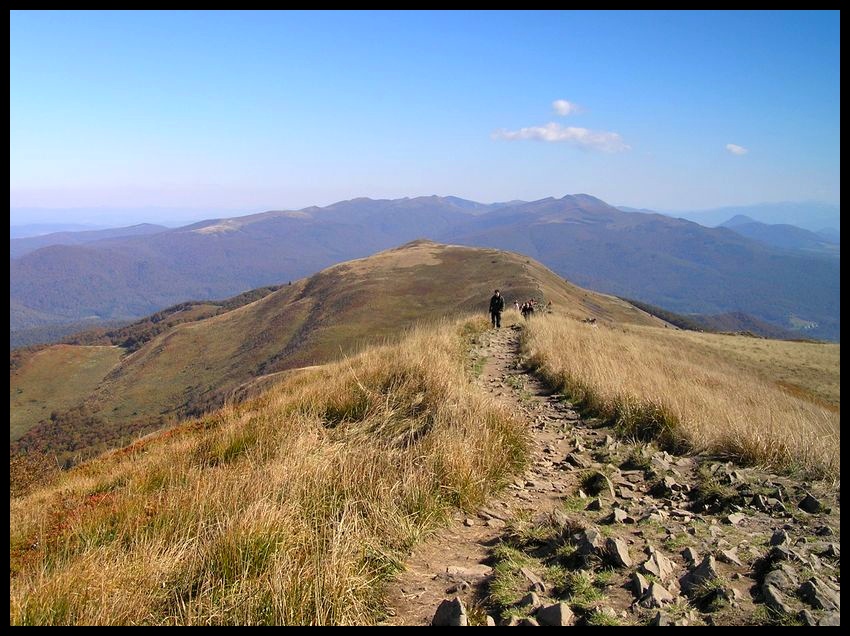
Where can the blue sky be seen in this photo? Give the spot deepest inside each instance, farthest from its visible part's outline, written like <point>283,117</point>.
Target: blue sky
<point>261,110</point>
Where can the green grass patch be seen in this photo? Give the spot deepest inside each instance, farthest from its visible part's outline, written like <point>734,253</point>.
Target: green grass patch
<point>711,595</point>
<point>516,382</point>
<point>677,542</point>
<point>507,585</point>
<point>595,483</point>
<point>639,458</point>
<point>478,364</point>
<point>603,619</point>
<point>710,494</point>
<point>523,532</point>
<point>604,578</point>
<point>580,590</point>
<point>574,503</point>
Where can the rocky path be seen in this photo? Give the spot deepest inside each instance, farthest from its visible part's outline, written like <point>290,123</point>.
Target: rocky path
<point>599,531</point>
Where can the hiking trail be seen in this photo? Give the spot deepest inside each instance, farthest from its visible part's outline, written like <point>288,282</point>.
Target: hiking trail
<point>628,510</point>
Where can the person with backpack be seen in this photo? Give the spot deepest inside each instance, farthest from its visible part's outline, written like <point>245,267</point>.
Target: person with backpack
<point>497,305</point>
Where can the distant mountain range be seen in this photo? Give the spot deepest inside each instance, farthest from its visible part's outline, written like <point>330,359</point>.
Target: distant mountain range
<point>38,229</point>
<point>20,246</point>
<point>783,235</point>
<point>673,263</point>
<point>812,216</point>
<point>33,221</point>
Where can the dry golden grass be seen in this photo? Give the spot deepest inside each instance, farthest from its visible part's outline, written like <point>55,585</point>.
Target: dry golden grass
<point>806,369</point>
<point>689,391</point>
<point>289,509</point>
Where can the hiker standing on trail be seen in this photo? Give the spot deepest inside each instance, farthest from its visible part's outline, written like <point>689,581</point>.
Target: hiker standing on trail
<point>497,305</point>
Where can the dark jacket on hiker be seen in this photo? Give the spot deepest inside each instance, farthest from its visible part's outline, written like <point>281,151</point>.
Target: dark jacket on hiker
<point>497,304</point>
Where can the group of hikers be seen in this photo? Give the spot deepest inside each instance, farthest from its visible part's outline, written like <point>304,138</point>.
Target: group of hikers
<point>497,306</point>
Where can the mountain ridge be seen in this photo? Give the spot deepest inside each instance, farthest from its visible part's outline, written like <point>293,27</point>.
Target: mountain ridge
<point>673,263</point>
<point>782,235</point>
<point>20,246</point>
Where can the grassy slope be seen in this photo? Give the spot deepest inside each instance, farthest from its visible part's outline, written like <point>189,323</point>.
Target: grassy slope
<point>761,402</point>
<point>198,360</point>
<point>424,281</point>
<point>42,376</point>
<point>55,379</point>
<point>809,370</point>
<point>288,509</point>
<point>195,365</point>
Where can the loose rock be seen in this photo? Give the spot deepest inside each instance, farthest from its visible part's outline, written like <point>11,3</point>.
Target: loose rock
<point>555,615</point>
<point>656,596</point>
<point>639,584</point>
<point>729,556</point>
<point>530,600</point>
<point>660,620</point>
<point>450,614</point>
<point>597,483</point>
<point>618,552</point>
<point>818,595</point>
<point>705,571</point>
<point>595,504</point>
<point>618,515</point>
<point>690,556</point>
<point>774,599</point>
<point>734,519</point>
<point>535,582</point>
<point>810,504</point>
<point>589,541</point>
<point>528,622</point>
<point>658,565</point>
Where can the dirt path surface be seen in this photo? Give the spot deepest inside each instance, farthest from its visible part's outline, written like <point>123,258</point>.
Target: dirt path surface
<point>600,531</point>
<point>456,557</point>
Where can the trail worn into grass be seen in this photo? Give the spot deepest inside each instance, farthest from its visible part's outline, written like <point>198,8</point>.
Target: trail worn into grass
<point>456,557</point>
<point>741,526</point>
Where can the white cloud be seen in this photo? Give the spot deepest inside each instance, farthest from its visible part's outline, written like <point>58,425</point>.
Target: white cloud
<point>735,149</point>
<point>564,108</point>
<point>582,137</point>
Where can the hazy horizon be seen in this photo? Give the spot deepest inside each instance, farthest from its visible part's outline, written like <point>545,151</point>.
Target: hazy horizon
<point>106,217</point>
<point>266,110</point>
